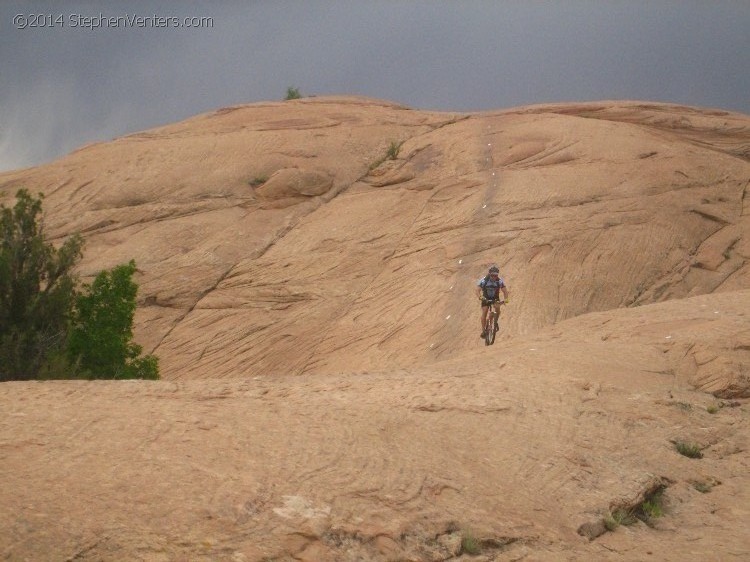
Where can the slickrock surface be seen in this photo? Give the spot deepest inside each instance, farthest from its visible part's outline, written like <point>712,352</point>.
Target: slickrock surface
<point>325,393</point>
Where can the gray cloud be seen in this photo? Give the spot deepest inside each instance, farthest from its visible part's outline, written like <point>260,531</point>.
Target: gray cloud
<point>64,87</point>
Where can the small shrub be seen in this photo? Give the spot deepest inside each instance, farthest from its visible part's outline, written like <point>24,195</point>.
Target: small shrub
<point>470,544</point>
<point>393,150</point>
<point>610,522</point>
<point>292,93</point>
<point>712,409</point>
<point>618,517</point>
<point>258,180</point>
<point>690,450</point>
<point>390,154</point>
<point>652,507</point>
<point>702,487</point>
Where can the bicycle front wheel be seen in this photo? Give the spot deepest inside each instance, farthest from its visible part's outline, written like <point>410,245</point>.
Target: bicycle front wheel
<point>491,328</point>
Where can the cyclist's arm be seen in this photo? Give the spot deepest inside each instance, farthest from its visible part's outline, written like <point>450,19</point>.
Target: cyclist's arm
<point>480,289</point>
<point>505,292</point>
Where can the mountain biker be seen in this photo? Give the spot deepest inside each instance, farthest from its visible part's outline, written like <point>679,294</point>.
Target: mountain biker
<point>488,291</point>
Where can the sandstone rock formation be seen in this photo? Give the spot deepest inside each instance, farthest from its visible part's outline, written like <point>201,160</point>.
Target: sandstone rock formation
<point>325,393</point>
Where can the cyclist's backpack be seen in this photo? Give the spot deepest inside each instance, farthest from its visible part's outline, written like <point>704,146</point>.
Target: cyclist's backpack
<point>484,287</point>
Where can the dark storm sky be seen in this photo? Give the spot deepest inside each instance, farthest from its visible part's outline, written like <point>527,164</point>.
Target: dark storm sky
<point>64,84</point>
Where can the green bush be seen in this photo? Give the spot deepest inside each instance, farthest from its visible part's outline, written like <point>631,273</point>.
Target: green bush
<point>391,153</point>
<point>652,506</point>
<point>652,509</point>
<point>258,180</point>
<point>618,517</point>
<point>393,149</point>
<point>102,329</point>
<point>48,329</point>
<point>292,93</point>
<point>690,450</point>
<point>470,544</point>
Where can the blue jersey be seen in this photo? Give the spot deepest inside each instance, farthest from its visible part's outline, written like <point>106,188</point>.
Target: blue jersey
<point>491,287</point>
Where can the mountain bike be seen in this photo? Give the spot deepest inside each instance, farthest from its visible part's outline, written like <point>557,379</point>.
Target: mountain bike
<point>490,326</point>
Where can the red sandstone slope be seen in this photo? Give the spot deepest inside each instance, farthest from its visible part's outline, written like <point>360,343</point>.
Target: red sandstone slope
<point>267,244</point>
<point>274,240</point>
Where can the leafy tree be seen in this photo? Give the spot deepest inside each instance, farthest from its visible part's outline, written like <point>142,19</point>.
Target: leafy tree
<point>100,340</point>
<point>36,290</point>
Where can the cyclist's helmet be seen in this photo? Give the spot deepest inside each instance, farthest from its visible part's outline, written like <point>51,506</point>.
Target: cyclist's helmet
<point>494,270</point>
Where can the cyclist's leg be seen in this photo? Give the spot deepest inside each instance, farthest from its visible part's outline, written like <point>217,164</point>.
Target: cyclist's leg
<point>496,304</point>
<point>485,311</point>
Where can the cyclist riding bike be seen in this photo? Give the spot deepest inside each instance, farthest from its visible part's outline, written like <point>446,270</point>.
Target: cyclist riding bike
<point>488,291</point>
